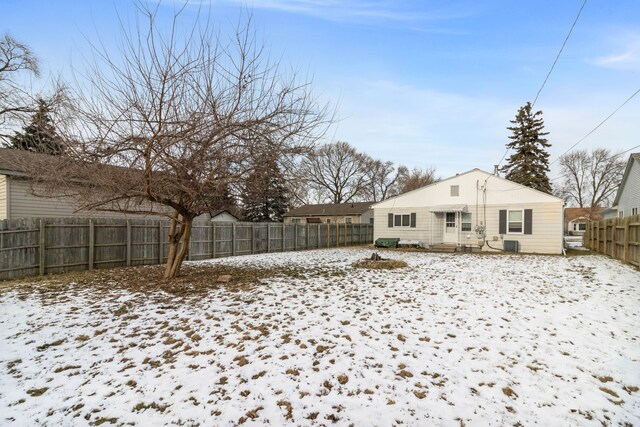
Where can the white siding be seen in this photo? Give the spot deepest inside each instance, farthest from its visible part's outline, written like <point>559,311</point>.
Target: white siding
<point>630,196</point>
<point>500,194</point>
<point>23,204</point>
<point>3,197</point>
<point>224,217</point>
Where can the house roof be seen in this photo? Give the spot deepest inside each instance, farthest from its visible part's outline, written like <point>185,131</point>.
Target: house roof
<point>592,214</point>
<point>331,209</point>
<point>13,161</point>
<point>633,157</point>
<point>488,176</point>
<point>231,212</point>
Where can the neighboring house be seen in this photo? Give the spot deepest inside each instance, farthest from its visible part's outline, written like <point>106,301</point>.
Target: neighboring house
<point>576,219</point>
<point>609,213</point>
<point>349,213</point>
<point>476,210</point>
<point>224,216</point>
<point>628,196</point>
<point>18,201</point>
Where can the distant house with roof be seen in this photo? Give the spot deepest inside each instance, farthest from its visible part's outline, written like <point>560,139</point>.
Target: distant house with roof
<point>17,198</point>
<point>475,210</point>
<point>627,202</point>
<point>334,213</point>
<point>576,219</point>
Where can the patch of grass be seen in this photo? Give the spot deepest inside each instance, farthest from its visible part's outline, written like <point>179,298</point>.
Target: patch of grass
<point>605,379</point>
<point>343,379</point>
<point>35,392</point>
<point>56,343</point>
<point>508,391</point>
<point>609,392</point>
<point>103,420</point>
<point>387,264</point>
<point>66,368</point>
<point>630,388</point>
<point>153,405</point>
<point>287,405</point>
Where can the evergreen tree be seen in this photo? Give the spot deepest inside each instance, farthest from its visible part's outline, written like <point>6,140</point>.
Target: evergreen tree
<point>265,196</point>
<point>529,164</point>
<point>40,135</point>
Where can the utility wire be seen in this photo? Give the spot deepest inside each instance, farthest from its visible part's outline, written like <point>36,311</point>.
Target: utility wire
<point>552,67</point>
<point>559,53</point>
<point>596,128</point>
<point>619,154</point>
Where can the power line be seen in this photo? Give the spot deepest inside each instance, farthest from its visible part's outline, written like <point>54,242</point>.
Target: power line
<point>559,53</point>
<point>596,128</point>
<point>552,67</point>
<point>618,154</point>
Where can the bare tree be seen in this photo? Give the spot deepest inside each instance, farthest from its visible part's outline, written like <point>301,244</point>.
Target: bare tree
<point>337,169</point>
<point>590,179</point>
<point>17,103</point>
<point>174,120</point>
<point>413,179</point>
<point>381,178</point>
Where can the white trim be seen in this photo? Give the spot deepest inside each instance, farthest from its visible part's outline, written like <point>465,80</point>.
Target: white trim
<point>521,221</point>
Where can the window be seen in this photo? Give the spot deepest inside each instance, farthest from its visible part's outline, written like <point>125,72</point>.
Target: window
<point>402,220</point>
<point>295,220</point>
<point>620,214</point>
<point>634,211</point>
<point>582,227</point>
<point>347,220</point>
<point>371,221</point>
<point>328,220</point>
<point>455,190</point>
<point>466,221</point>
<point>514,222</point>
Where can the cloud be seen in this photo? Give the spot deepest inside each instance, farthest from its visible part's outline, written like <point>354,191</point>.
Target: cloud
<point>406,11</point>
<point>625,57</point>
<point>419,126</point>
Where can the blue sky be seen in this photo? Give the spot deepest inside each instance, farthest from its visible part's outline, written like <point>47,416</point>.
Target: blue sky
<point>419,82</point>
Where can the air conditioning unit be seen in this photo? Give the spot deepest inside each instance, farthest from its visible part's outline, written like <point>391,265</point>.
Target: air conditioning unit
<point>511,246</point>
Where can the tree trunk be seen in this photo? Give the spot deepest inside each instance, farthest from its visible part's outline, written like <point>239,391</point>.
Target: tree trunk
<point>178,244</point>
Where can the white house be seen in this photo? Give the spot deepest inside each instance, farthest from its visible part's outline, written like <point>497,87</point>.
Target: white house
<point>475,210</point>
<point>628,196</point>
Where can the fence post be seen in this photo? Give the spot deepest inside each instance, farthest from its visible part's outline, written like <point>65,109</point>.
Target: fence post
<point>42,247</point>
<point>268,238</point>
<point>91,244</point>
<point>318,236</point>
<point>625,250</point>
<point>128,243</point>
<point>283,233</point>
<point>307,235</point>
<point>295,237</point>
<point>213,239</point>
<point>253,238</point>
<point>160,243</point>
<point>233,239</point>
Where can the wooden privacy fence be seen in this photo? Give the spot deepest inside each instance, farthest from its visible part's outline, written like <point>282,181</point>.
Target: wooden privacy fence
<point>38,246</point>
<point>617,237</point>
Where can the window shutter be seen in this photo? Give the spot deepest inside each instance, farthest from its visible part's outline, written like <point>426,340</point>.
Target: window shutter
<point>413,220</point>
<point>390,223</point>
<point>528,221</point>
<point>502,229</point>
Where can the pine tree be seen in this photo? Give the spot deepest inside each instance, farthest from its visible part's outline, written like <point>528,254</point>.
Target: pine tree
<point>265,196</point>
<point>529,164</point>
<point>40,135</point>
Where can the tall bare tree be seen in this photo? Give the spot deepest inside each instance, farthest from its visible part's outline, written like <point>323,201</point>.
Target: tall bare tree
<point>17,102</point>
<point>412,179</point>
<point>174,119</point>
<point>590,179</point>
<point>338,170</point>
<point>381,179</point>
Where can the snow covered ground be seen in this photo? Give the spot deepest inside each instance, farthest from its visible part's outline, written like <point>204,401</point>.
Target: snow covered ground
<point>451,340</point>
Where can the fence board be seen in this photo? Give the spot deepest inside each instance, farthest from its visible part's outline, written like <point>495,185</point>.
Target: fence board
<point>35,246</point>
<point>618,238</point>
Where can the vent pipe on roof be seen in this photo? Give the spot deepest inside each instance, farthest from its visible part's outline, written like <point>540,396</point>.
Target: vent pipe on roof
<point>496,172</point>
